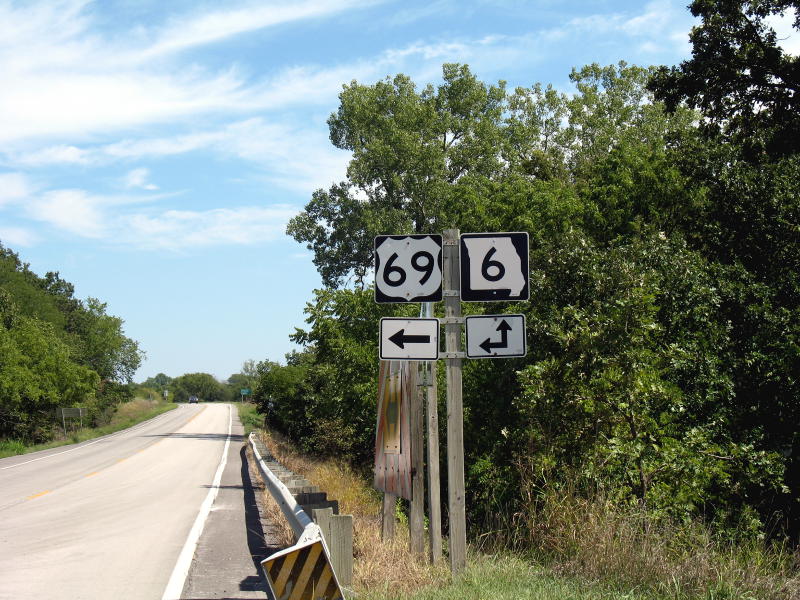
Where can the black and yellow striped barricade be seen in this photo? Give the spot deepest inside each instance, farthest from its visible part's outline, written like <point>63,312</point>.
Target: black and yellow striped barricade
<point>302,572</point>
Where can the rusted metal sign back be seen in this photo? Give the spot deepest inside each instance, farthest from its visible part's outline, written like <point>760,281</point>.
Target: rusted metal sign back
<point>393,437</point>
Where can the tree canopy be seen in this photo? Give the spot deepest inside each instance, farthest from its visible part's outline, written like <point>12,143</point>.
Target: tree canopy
<point>57,351</point>
<point>663,364</point>
<point>746,86</point>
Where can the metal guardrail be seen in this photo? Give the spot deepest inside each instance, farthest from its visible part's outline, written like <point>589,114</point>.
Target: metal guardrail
<point>299,521</point>
<point>310,547</point>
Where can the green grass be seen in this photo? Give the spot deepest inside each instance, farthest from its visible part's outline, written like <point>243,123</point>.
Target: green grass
<point>127,415</point>
<point>506,578</point>
<point>249,416</point>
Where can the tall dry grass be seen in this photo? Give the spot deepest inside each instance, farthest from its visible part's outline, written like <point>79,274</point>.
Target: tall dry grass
<point>623,547</point>
<point>379,564</point>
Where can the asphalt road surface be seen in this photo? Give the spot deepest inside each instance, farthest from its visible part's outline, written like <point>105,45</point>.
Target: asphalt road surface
<point>120,516</point>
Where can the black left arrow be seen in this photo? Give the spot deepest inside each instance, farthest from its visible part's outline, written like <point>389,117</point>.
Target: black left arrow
<point>487,345</point>
<point>399,339</point>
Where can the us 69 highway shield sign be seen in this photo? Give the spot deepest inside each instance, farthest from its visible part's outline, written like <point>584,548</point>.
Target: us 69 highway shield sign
<point>408,268</point>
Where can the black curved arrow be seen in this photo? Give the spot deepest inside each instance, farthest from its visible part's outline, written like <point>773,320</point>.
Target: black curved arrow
<point>399,339</point>
<point>487,345</point>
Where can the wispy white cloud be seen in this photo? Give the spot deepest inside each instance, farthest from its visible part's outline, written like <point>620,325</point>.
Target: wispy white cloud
<point>408,15</point>
<point>138,179</point>
<point>51,155</point>
<point>213,26</point>
<point>17,236</point>
<point>136,221</point>
<point>659,21</point>
<point>14,187</point>
<point>60,79</point>
<point>75,211</point>
<point>297,158</point>
<point>181,229</point>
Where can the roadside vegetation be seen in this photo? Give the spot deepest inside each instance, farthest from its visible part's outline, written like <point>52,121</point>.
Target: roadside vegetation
<point>205,386</point>
<point>56,351</point>
<point>648,441</point>
<point>584,550</point>
<point>249,416</point>
<point>126,414</point>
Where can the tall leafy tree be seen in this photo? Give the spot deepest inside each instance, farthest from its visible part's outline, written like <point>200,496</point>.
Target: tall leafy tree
<point>746,86</point>
<point>409,149</point>
<point>202,385</point>
<point>37,375</point>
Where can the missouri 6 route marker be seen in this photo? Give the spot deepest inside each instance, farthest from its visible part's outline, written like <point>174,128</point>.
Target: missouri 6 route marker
<point>408,268</point>
<point>409,339</point>
<point>494,266</point>
<point>495,336</point>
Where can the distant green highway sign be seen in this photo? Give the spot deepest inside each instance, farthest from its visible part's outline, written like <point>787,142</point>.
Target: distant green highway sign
<point>245,391</point>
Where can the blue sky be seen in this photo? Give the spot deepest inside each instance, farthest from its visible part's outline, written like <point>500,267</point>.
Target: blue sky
<point>152,152</point>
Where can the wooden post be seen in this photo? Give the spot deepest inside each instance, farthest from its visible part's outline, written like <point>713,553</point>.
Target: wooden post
<point>388,516</point>
<point>338,533</point>
<point>416,517</point>
<point>432,423</point>
<point>455,407</point>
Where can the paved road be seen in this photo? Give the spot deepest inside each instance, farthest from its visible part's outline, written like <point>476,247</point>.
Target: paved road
<point>109,518</point>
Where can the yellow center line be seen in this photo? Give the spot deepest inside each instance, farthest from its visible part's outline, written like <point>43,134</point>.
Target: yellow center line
<point>38,495</point>
<point>195,416</point>
<point>92,474</point>
<point>119,460</point>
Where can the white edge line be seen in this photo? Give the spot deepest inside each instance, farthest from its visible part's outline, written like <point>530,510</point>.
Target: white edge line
<point>181,571</point>
<point>81,446</point>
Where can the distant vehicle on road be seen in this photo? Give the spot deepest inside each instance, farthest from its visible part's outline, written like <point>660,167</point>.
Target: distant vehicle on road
<point>192,399</point>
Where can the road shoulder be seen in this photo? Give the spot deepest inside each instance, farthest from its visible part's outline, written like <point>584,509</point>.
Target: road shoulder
<point>226,563</point>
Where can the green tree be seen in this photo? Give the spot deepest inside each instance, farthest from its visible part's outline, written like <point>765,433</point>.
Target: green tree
<point>37,375</point>
<point>103,345</point>
<point>159,382</point>
<point>410,149</point>
<point>202,385</point>
<point>746,86</point>
<point>662,319</point>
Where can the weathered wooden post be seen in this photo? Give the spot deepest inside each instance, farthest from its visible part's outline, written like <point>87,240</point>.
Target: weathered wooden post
<point>416,517</point>
<point>455,407</point>
<point>432,425</point>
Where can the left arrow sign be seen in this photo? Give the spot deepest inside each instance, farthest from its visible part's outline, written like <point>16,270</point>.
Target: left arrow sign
<point>409,339</point>
<point>400,339</point>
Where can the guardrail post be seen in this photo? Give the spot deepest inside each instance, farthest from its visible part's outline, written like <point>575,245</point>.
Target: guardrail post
<point>338,533</point>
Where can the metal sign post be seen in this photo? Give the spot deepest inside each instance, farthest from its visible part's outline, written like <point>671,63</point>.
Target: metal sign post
<point>416,513</point>
<point>72,413</point>
<point>455,406</point>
